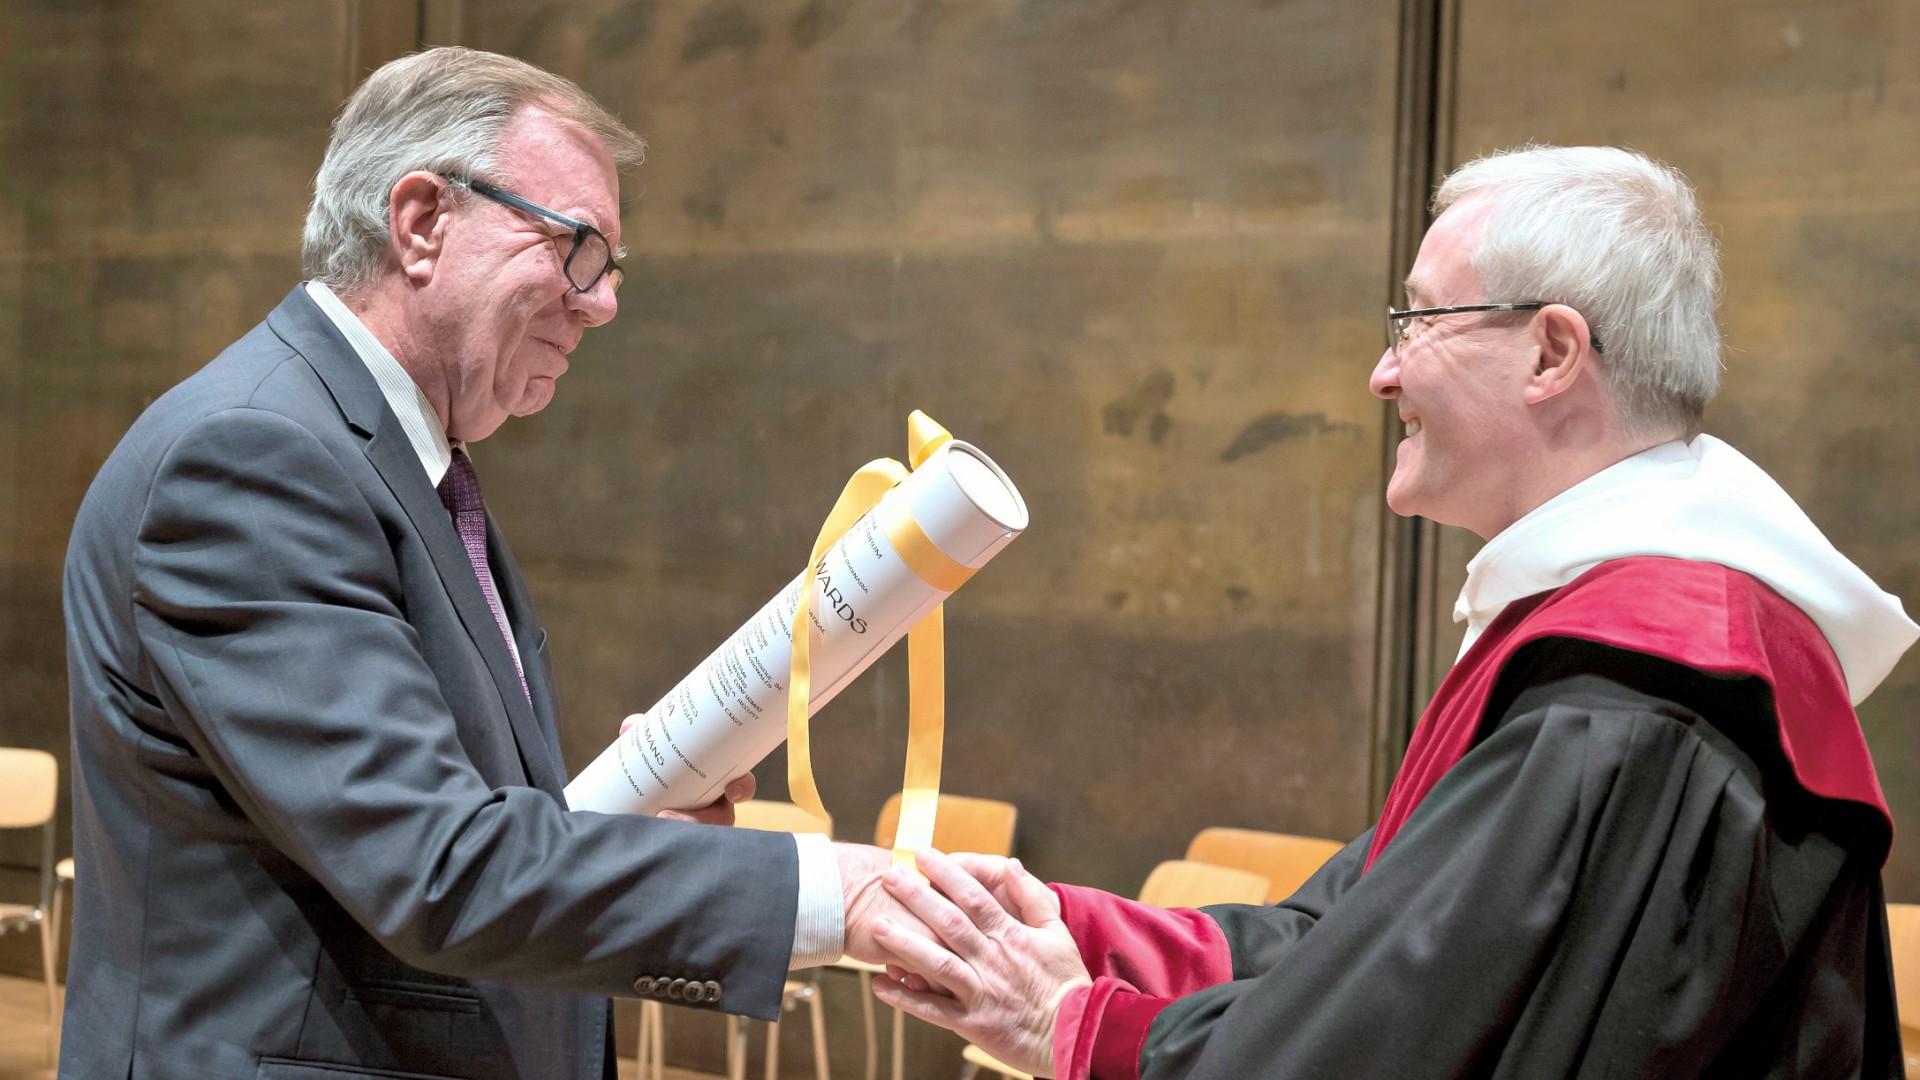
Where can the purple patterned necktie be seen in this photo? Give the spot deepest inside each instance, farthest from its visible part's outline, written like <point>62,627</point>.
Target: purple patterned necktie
<point>460,491</point>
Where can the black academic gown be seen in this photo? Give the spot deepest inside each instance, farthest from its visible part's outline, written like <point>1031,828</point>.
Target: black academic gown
<point>1621,879</point>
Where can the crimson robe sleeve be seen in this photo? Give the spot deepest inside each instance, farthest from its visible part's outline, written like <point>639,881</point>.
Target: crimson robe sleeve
<point>1157,954</point>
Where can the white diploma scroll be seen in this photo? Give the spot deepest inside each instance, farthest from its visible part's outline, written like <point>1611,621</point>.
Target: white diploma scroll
<point>872,585</point>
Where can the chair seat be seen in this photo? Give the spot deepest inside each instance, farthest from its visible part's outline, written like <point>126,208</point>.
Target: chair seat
<point>973,1055</point>
<point>19,916</point>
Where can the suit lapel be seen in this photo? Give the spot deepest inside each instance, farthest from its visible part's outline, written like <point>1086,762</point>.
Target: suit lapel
<point>306,328</point>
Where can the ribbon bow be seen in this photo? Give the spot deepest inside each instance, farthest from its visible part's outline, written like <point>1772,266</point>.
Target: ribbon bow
<point>926,645</point>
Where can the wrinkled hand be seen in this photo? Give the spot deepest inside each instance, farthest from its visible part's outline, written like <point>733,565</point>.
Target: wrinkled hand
<point>862,868</point>
<point>991,871</point>
<point>1005,966</point>
<point>719,811</point>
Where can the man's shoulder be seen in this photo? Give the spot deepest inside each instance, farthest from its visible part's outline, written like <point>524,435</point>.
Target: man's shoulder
<point>262,374</point>
<point>1701,614</point>
<point>262,369</point>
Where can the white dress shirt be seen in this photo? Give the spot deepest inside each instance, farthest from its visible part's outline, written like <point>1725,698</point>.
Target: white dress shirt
<point>819,923</point>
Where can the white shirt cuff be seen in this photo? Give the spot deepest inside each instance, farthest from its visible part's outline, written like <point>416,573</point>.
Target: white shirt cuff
<point>820,921</point>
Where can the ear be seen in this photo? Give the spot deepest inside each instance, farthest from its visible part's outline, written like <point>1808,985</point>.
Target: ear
<point>417,210</point>
<point>1566,348</point>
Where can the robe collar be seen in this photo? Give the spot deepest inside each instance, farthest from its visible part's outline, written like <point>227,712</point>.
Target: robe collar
<point>1702,501</point>
<point>1700,615</point>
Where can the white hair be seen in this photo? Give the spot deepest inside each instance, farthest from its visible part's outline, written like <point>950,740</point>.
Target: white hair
<point>1618,237</point>
<point>440,111</point>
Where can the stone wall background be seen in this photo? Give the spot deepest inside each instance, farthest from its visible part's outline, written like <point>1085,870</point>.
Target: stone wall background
<point>1136,250</point>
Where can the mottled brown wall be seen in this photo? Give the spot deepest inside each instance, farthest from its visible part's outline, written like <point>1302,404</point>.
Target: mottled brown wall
<point>1134,249</point>
<point>1797,122</point>
<point>154,163</point>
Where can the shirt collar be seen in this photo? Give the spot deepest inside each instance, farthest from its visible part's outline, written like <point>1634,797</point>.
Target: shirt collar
<point>415,413</point>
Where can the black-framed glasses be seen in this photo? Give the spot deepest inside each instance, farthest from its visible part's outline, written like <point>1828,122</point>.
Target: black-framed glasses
<point>1403,326</point>
<point>588,260</point>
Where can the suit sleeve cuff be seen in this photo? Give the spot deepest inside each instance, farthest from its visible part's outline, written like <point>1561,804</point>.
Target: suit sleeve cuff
<point>820,919</point>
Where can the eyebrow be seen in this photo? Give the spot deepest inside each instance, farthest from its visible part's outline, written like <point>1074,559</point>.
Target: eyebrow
<point>1414,287</point>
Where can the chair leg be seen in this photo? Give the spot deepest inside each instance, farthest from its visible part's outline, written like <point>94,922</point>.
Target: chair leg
<point>899,1045</point>
<point>656,1066</point>
<point>646,1032</point>
<point>53,1003</point>
<point>773,1050</point>
<point>59,896</point>
<point>60,1019</point>
<point>650,1055</point>
<point>873,1035</point>
<point>736,1049</point>
<point>814,1003</point>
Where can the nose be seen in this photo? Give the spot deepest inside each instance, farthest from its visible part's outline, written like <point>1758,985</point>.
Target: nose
<point>598,304</point>
<point>1385,382</point>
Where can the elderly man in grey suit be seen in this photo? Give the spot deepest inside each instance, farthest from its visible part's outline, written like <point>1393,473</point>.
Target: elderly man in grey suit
<point>318,788</point>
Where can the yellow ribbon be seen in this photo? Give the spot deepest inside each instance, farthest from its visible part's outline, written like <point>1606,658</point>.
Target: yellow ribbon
<point>926,644</point>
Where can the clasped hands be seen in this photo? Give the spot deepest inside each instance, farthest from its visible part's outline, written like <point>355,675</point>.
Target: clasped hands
<point>977,948</point>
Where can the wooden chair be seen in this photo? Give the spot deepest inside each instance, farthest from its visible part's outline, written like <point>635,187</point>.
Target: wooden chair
<point>1184,883</point>
<point>767,816</point>
<point>963,823</point>
<point>29,787</point>
<point>1903,927</point>
<point>1174,883</point>
<point>1284,859</point>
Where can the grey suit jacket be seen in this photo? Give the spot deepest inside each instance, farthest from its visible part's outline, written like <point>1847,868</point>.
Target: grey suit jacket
<point>319,828</point>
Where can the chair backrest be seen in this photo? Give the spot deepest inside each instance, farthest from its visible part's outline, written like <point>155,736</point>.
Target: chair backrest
<point>1285,860</point>
<point>1903,934</point>
<point>963,823</point>
<point>29,783</point>
<point>1185,883</point>
<point>771,815</point>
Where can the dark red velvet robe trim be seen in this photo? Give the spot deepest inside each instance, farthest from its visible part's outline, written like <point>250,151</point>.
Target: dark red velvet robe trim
<point>1702,615</point>
<point>1141,958</point>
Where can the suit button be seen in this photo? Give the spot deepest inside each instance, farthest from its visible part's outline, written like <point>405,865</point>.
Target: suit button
<point>695,993</point>
<point>713,992</point>
<point>643,985</point>
<point>675,988</point>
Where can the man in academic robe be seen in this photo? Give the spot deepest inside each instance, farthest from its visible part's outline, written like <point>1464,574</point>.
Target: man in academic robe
<point>319,816</point>
<point>1637,832</point>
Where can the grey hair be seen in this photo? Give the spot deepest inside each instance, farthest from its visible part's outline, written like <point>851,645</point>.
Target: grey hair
<point>1618,237</point>
<point>441,111</point>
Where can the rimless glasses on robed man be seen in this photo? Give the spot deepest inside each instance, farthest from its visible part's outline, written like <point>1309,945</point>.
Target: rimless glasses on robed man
<point>1404,326</point>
